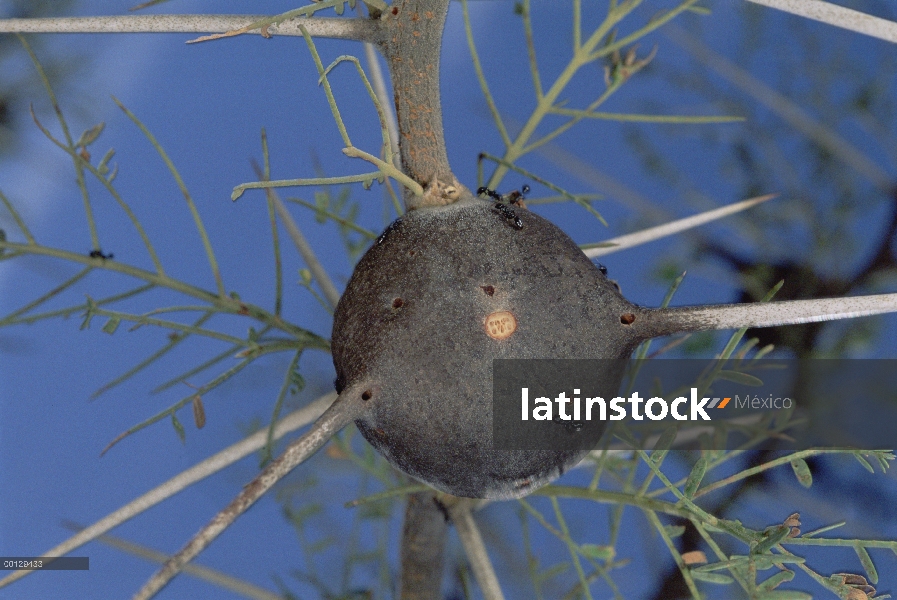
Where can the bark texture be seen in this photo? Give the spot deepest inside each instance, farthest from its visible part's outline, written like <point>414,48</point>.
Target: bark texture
<point>411,43</point>
<point>423,543</point>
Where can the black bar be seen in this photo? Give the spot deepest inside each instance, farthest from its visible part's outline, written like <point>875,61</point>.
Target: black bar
<point>44,563</point>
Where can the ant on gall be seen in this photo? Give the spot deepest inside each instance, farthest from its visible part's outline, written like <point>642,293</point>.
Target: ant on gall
<point>503,203</point>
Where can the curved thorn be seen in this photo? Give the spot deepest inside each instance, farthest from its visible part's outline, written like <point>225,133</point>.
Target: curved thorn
<point>667,321</point>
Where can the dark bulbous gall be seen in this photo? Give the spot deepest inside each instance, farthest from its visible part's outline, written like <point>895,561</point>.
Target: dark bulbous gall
<point>438,296</point>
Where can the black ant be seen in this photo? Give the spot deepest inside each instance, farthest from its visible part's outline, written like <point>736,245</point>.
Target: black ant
<point>99,254</point>
<point>503,202</point>
<point>508,213</point>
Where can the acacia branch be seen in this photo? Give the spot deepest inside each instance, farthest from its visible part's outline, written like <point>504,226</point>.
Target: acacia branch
<point>347,408</point>
<point>305,250</point>
<point>348,29</point>
<point>412,46</point>
<point>475,549</point>
<point>423,544</point>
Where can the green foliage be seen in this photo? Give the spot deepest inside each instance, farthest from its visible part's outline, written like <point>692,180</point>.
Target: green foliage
<point>275,334</point>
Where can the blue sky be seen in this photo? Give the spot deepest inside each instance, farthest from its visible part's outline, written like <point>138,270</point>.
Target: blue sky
<point>206,104</point>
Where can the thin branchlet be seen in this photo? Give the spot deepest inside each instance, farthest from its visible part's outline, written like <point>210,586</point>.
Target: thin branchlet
<point>348,407</point>
<point>350,29</point>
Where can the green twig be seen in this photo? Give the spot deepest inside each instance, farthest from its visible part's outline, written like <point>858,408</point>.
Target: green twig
<point>107,183</point>
<point>18,219</point>
<point>174,408</point>
<point>335,217</point>
<point>275,236</point>
<point>683,499</point>
<point>484,85</point>
<point>785,460</point>
<point>720,554</point>
<point>386,168</point>
<point>173,341</point>
<point>572,547</point>
<point>637,118</point>
<point>613,87</point>
<point>326,83</point>
<point>364,178</point>
<point>230,352</point>
<point>683,569</point>
<point>381,114</point>
<point>200,228</point>
<point>11,317</point>
<point>268,450</point>
<point>302,246</point>
<point>223,304</point>
<point>71,310</point>
<point>654,24</point>
<point>583,54</point>
<point>403,490</point>
<point>141,320</point>
<point>570,543</point>
<point>531,46</point>
<point>70,145</point>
